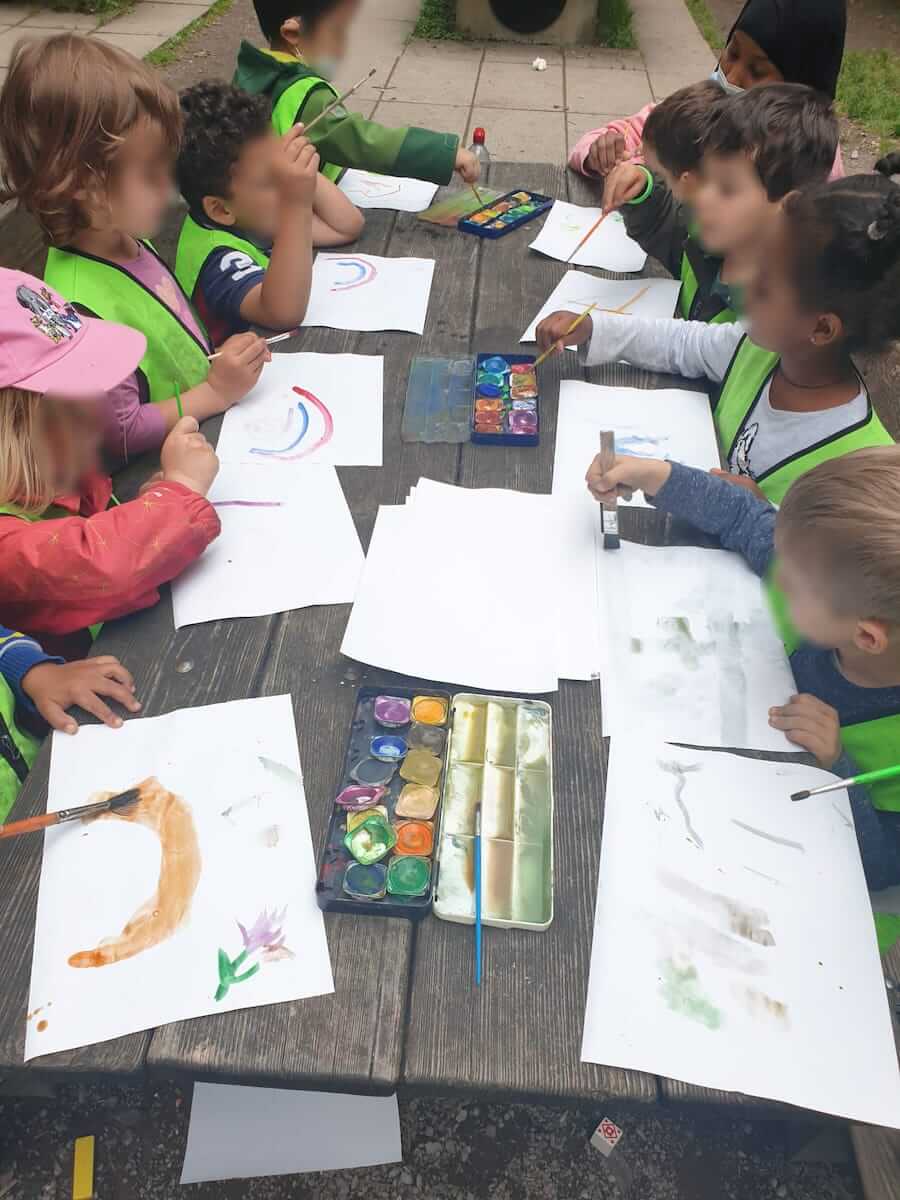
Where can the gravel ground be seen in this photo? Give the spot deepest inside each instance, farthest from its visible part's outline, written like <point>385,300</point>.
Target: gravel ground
<point>453,1150</point>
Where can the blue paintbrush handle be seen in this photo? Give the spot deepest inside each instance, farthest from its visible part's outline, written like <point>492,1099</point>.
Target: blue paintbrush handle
<point>478,899</point>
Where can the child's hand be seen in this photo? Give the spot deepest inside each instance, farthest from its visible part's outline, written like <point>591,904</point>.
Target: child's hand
<point>811,724</point>
<point>468,165</point>
<point>297,167</point>
<point>552,332</point>
<point>188,458</point>
<point>605,152</point>
<point>624,183</point>
<point>627,475</point>
<point>741,481</point>
<point>237,368</point>
<point>54,687</point>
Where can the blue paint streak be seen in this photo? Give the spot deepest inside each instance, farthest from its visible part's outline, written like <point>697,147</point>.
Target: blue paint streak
<point>304,426</point>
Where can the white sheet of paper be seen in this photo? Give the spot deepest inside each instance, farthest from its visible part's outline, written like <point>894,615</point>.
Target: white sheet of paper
<point>288,541</point>
<point>247,1132</point>
<point>363,291</point>
<point>692,649</point>
<point>437,628</point>
<point>160,893</point>
<point>577,291</point>
<point>309,409</point>
<point>368,190</point>
<point>609,246</point>
<point>648,423</point>
<point>734,946</point>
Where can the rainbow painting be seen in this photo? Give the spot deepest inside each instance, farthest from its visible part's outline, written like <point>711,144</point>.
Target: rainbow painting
<point>359,271</point>
<point>284,454</point>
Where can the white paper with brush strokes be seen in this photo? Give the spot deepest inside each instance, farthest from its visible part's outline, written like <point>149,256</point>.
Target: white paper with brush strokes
<point>609,246</point>
<point>577,291</point>
<point>236,768</point>
<point>734,945</point>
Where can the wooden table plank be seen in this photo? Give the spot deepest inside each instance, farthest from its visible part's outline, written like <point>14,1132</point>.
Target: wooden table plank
<point>353,1039</point>
<point>520,1032</point>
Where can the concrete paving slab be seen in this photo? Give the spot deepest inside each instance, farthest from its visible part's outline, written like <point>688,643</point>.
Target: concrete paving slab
<point>401,10</point>
<point>522,135</point>
<point>516,85</point>
<point>356,65</point>
<point>436,76</point>
<point>380,37</point>
<point>12,14</point>
<point>578,124</point>
<point>602,56</point>
<point>50,20</point>
<point>153,17</point>
<point>429,50</point>
<point>589,89</point>
<point>137,44</point>
<point>665,83</point>
<point>8,39</point>
<point>518,53</point>
<point>443,118</point>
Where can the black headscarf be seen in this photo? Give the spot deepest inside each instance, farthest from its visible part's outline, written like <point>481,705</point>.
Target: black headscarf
<point>803,38</point>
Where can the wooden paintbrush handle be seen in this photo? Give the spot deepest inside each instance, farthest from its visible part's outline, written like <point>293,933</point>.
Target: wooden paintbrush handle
<point>31,825</point>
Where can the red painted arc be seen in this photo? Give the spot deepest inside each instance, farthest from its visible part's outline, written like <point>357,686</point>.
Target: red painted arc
<point>327,432</point>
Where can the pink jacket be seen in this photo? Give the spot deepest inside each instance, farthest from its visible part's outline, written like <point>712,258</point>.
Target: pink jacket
<point>632,130</point>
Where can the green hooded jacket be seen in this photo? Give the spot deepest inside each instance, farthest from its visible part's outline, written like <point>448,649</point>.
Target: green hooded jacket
<point>343,139</point>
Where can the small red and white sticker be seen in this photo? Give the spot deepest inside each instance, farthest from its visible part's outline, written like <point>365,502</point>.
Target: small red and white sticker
<point>606,1136</point>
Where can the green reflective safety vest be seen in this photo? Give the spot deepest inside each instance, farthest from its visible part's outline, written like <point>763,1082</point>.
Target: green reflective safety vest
<point>174,358</point>
<point>17,751</point>
<point>196,243</point>
<point>750,369</point>
<point>690,286</point>
<point>288,101</point>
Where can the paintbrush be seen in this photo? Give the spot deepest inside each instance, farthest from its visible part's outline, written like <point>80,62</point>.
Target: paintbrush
<point>477,197</point>
<point>609,516</point>
<point>865,777</point>
<point>33,824</point>
<point>178,401</point>
<point>340,100</point>
<point>561,342</point>
<point>478,896</point>
<point>590,233</point>
<point>279,337</point>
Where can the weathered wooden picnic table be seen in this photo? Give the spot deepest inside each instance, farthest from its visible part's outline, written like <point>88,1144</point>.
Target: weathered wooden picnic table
<point>404,1012</point>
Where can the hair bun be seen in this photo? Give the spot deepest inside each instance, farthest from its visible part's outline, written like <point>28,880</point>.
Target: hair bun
<point>887,221</point>
<point>889,165</point>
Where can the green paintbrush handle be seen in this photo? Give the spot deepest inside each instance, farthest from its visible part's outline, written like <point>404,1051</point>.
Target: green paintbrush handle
<point>874,776</point>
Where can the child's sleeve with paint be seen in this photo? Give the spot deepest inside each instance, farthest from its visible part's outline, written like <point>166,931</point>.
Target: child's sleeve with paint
<point>349,139</point>
<point>741,521</point>
<point>631,129</point>
<point>876,832</point>
<point>692,349</point>
<point>18,654</point>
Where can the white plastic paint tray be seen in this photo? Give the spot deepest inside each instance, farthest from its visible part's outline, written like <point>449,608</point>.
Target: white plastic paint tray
<point>499,756</point>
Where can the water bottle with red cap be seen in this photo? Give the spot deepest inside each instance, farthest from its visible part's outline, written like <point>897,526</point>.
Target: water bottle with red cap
<point>478,148</point>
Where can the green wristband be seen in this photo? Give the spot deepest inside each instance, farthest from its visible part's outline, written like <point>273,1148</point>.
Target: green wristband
<point>647,190</point>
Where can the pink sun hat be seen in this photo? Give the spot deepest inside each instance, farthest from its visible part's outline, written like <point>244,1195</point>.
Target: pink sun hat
<point>46,346</point>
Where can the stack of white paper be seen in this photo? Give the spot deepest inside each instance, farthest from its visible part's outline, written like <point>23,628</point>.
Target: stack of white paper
<point>475,602</point>
<point>733,940</point>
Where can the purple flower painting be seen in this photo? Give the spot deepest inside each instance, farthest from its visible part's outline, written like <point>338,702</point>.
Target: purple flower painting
<point>265,935</point>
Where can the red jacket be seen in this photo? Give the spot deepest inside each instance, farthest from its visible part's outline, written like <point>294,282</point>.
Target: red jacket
<point>61,574</point>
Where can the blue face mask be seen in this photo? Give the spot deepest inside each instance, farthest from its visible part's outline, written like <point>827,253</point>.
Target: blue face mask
<point>730,89</point>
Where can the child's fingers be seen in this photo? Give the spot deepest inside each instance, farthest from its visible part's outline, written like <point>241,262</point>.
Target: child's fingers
<point>113,669</point>
<point>88,699</point>
<point>57,717</point>
<point>117,691</point>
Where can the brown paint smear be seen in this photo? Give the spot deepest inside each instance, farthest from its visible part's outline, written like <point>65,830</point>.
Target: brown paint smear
<point>41,1026</point>
<point>158,918</point>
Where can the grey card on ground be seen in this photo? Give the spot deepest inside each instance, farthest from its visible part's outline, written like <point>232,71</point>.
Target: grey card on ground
<point>246,1132</point>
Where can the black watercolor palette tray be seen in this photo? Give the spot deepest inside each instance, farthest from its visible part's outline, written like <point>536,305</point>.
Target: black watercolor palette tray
<point>506,213</point>
<point>505,406</point>
<point>388,868</point>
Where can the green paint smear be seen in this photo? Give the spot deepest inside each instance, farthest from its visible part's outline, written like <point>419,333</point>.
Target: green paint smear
<point>681,990</point>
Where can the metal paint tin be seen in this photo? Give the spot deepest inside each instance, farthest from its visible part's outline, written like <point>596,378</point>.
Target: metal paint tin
<point>366,881</point>
<point>391,711</point>
<point>388,747</point>
<point>417,802</point>
<point>421,767</point>
<point>427,737</point>
<point>355,819</point>
<point>408,875</point>
<point>415,837</point>
<point>371,840</point>
<point>355,799</point>
<point>430,710</point>
<point>373,773</point>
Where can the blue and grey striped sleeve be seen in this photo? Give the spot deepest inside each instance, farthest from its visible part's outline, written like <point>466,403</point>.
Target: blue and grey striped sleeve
<point>18,654</point>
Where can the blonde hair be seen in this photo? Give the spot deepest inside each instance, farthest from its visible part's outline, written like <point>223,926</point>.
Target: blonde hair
<point>843,518</point>
<point>24,475</point>
<point>66,107</point>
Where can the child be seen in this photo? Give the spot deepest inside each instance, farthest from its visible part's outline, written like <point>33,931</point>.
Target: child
<point>756,148</point>
<point>87,138</point>
<point>31,683</point>
<point>837,546</point>
<point>70,556</point>
<point>307,39</point>
<point>256,205</point>
<point>772,41</point>
<point>790,398</point>
<point>656,199</point>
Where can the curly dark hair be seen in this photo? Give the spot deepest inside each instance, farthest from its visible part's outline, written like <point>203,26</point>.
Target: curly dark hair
<point>844,239</point>
<point>789,131</point>
<point>219,121</point>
